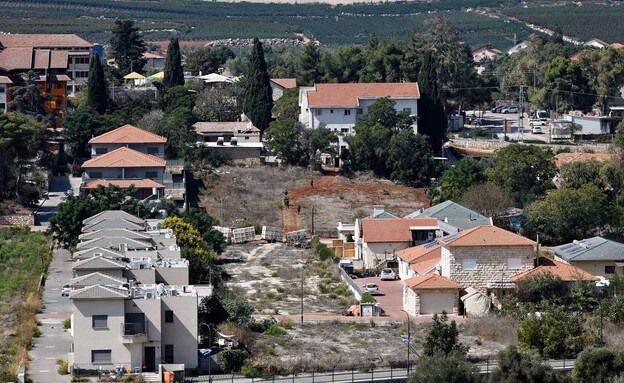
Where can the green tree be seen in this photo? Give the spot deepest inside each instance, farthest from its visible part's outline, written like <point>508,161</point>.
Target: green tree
<point>238,311</point>
<point>521,367</point>
<point>568,86</point>
<point>82,125</point>
<point>566,214</point>
<point>177,128</point>
<point>174,75</point>
<point>204,60</point>
<point>218,105</point>
<point>177,97</point>
<point>432,119</point>
<point>544,288</point>
<point>442,337</point>
<point>258,96</point>
<point>456,180</point>
<point>410,160</point>
<point>598,365</point>
<point>488,199</point>
<point>127,47</point>
<point>287,106</point>
<point>204,222</point>
<point>296,145</point>
<point>525,171</point>
<point>447,368</point>
<point>309,70</point>
<point>27,99</point>
<point>577,174</point>
<point>97,93</point>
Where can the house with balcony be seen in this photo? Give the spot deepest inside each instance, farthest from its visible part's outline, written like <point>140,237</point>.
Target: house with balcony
<point>339,106</point>
<point>135,326</point>
<point>236,140</point>
<point>131,137</point>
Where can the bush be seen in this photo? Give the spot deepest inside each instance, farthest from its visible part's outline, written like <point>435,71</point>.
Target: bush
<point>275,330</point>
<point>252,370</point>
<point>287,324</point>
<point>232,360</point>
<point>63,367</point>
<point>261,325</point>
<point>597,365</point>
<point>67,323</point>
<point>442,337</point>
<point>368,298</point>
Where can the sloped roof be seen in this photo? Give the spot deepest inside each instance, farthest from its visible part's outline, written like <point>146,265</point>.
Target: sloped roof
<point>128,134</point>
<point>224,127</point>
<point>99,292</point>
<point>349,94</point>
<point>28,58</point>
<point>145,183</point>
<point>133,76</point>
<point>412,254</point>
<point>114,242</point>
<point>567,158</point>
<point>432,281</point>
<point>150,55</point>
<point>118,223</point>
<point>286,83</point>
<point>125,158</point>
<point>557,269</point>
<point>113,232</point>
<point>99,263</point>
<point>97,278</point>
<point>91,253</point>
<point>6,80</point>
<point>485,236</point>
<point>113,214</point>
<point>393,229</point>
<point>454,214</point>
<point>591,249</point>
<point>44,41</point>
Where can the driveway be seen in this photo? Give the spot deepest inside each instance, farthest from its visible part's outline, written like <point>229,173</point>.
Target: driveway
<point>390,296</point>
<point>54,341</point>
<point>58,187</point>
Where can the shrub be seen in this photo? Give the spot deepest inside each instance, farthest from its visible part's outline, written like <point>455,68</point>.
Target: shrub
<point>36,331</point>
<point>287,324</point>
<point>340,289</point>
<point>67,323</point>
<point>232,360</point>
<point>332,296</point>
<point>597,365</point>
<point>63,367</point>
<point>368,298</point>
<point>252,370</point>
<point>442,337</point>
<point>274,330</point>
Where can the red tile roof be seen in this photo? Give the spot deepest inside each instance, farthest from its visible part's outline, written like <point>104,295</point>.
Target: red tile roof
<point>5,80</point>
<point>348,94</point>
<point>128,134</point>
<point>566,158</point>
<point>421,258</point>
<point>432,281</point>
<point>28,58</point>
<point>139,184</point>
<point>44,41</point>
<point>125,158</point>
<point>617,45</point>
<point>149,55</point>
<point>485,236</point>
<point>557,269</point>
<point>287,83</point>
<point>393,229</point>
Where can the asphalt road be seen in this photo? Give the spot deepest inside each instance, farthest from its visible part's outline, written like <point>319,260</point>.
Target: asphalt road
<point>54,341</point>
<point>58,187</point>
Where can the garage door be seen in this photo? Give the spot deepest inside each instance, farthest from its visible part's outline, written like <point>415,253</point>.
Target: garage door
<point>435,303</point>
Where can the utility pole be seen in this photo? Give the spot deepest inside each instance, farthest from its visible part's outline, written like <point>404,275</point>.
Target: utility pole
<point>313,220</point>
<point>520,113</point>
<point>222,212</point>
<point>302,274</point>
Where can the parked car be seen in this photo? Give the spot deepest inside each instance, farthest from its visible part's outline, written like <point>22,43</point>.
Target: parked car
<point>536,129</point>
<point>65,290</point>
<point>387,275</point>
<point>371,288</point>
<point>537,122</point>
<point>497,109</point>
<point>509,109</point>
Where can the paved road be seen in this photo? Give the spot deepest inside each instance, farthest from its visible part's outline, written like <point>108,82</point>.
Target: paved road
<point>390,296</point>
<point>58,187</point>
<point>54,341</point>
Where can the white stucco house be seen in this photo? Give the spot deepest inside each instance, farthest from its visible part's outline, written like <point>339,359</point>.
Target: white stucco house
<point>339,106</point>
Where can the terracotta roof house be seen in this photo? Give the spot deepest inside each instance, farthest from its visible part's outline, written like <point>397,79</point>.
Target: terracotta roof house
<point>378,239</point>
<point>596,255</point>
<point>131,137</point>
<point>484,52</point>
<point>431,294</point>
<point>567,158</point>
<point>279,86</point>
<point>338,106</point>
<point>565,271</point>
<point>154,60</point>
<point>419,260</point>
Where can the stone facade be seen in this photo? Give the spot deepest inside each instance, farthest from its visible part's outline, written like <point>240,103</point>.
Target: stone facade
<point>493,145</point>
<point>411,299</point>
<point>492,264</point>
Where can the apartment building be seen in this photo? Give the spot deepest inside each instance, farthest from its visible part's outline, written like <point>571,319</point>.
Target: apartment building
<point>146,270</point>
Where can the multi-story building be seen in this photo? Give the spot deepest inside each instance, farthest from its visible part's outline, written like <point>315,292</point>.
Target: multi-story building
<point>236,140</point>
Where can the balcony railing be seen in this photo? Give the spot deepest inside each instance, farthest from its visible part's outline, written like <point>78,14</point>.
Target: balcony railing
<point>134,329</point>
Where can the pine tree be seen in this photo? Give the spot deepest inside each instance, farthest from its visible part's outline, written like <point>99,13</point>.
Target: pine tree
<point>127,47</point>
<point>258,97</point>
<point>432,121</point>
<point>309,71</point>
<point>174,75</point>
<point>97,95</point>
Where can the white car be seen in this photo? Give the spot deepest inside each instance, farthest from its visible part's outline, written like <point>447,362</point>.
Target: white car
<point>509,109</point>
<point>537,122</point>
<point>536,129</point>
<point>387,275</point>
<point>65,290</point>
<point>371,288</point>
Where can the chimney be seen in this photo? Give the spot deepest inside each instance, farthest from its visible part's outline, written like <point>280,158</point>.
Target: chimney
<point>378,209</point>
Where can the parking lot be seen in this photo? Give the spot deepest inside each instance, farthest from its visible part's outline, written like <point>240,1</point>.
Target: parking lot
<point>493,123</point>
<point>390,296</point>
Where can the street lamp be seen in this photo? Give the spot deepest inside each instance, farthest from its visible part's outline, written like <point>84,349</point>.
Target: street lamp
<point>408,342</point>
<point>209,349</point>
<point>600,308</point>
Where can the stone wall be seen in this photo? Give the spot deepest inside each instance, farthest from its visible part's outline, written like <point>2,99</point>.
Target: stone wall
<point>494,145</point>
<point>17,220</point>
<point>491,264</point>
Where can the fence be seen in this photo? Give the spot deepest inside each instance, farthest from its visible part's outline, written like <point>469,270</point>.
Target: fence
<point>357,291</point>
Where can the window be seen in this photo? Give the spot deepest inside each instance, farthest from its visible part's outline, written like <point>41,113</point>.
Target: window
<point>514,263</point>
<point>1,89</point>
<point>2,106</point>
<point>609,269</point>
<point>153,150</point>
<point>344,130</point>
<point>95,175</point>
<point>81,74</point>
<point>318,112</point>
<point>331,111</point>
<point>359,111</point>
<point>101,150</point>
<point>469,264</point>
<point>408,110</point>
<point>347,112</point>
<point>99,321</point>
<point>81,60</point>
<point>168,316</point>
<point>151,174</point>
<point>101,356</point>
<point>168,353</point>
<point>246,137</point>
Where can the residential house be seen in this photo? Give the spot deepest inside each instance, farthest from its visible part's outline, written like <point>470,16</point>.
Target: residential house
<point>518,47</point>
<point>113,219</point>
<point>131,137</point>
<point>590,125</point>
<point>93,252</point>
<point>77,49</point>
<point>568,158</point>
<point>379,239</point>
<point>596,255</point>
<point>5,85</point>
<point>237,140</point>
<point>431,294</point>
<point>551,267</point>
<point>280,85</point>
<point>601,44</point>
<point>339,106</point>
<point>353,228</point>
<point>133,326</point>
<point>452,217</point>
<point>106,263</point>
<point>483,53</point>
<point>154,60</point>
<point>419,260</point>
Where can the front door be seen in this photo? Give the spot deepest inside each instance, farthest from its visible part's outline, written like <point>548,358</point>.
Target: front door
<point>150,359</point>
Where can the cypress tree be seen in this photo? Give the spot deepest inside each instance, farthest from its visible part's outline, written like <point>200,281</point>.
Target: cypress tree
<point>97,95</point>
<point>174,75</point>
<point>432,121</point>
<point>309,71</point>
<point>258,96</point>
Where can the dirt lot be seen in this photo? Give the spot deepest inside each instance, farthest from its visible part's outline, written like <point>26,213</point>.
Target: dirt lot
<point>257,195</point>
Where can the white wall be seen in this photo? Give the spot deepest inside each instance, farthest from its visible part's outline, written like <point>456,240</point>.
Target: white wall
<point>374,253</point>
<point>138,147</point>
<point>590,125</point>
<point>4,88</point>
<point>138,173</point>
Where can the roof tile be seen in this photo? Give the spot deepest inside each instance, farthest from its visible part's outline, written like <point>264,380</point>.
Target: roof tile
<point>348,94</point>
<point>393,229</point>
<point>432,281</point>
<point>43,41</point>
<point>128,134</point>
<point>557,269</point>
<point>125,158</point>
<point>486,236</point>
<point>139,184</point>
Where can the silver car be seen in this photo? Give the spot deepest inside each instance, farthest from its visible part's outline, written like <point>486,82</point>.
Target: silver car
<point>387,274</point>
<point>371,288</point>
